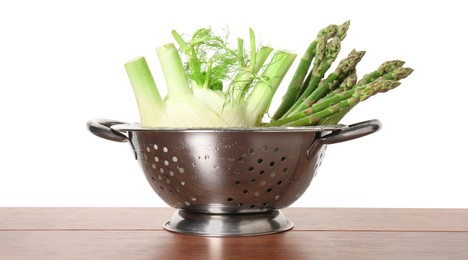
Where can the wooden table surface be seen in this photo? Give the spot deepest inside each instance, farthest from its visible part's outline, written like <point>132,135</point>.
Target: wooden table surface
<point>319,233</point>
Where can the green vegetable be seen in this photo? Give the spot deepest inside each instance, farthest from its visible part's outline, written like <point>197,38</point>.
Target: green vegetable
<point>326,100</point>
<point>211,84</point>
<point>149,101</point>
<point>196,94</point>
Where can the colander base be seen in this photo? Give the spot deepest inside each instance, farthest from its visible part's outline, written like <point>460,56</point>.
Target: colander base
<point>228,225</point>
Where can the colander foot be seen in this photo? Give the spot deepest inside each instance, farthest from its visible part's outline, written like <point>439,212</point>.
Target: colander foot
<point>228,225</point>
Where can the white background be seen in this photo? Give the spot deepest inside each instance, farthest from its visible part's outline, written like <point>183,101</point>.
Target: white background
<point>61,64</point>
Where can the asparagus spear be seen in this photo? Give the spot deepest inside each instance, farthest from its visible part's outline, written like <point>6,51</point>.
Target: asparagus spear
<point>342,70</point>
<point>330,53</point>
<point>299,80</point>
<point>383,69</point>
<point>341,34</point>
<point>315,108</point>
<point>342,30</point>
<point>360,94</point>
<point>397,74</point>
<point>335,118</point>
<point>347,84</point>
<point>324,104</point>
<point>388,70</point>
<point>327,101</point>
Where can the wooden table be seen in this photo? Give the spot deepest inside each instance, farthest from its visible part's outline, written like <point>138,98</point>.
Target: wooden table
<point>319,233</point>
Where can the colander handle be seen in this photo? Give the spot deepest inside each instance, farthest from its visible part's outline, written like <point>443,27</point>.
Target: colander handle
<point>351,132</point>
<point>102,128</point>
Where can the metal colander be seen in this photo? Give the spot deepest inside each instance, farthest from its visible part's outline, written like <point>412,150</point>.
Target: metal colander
<point>230,181</point>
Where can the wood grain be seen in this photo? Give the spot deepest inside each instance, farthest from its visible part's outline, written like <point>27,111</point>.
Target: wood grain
<point>361,219</point>
<point>320,233</point>
<point>288,245</point>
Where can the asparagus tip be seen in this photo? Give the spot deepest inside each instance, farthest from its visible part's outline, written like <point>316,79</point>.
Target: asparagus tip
<point>328,31</point>
<point>389,66</point>
<point>402,73</point>
<point>343,29</point>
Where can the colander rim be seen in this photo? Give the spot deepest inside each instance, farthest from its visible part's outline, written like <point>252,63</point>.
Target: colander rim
<point>129,127</point>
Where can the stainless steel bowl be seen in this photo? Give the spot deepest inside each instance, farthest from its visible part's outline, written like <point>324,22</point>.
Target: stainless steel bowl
<point>229,181</point>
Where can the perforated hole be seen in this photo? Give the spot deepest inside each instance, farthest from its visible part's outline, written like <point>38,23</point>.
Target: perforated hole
<point>163,172</point>
<point>256,183</point>
<point>317,165</point>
